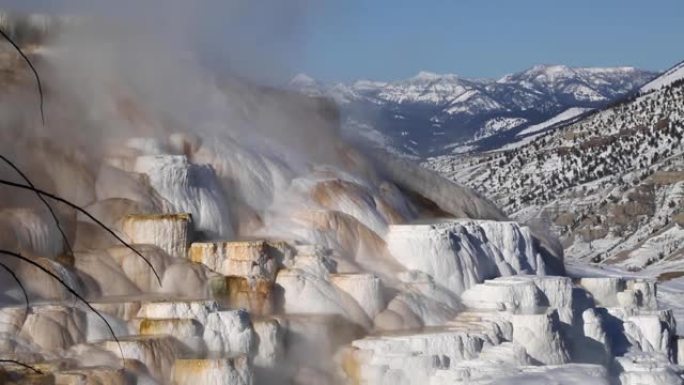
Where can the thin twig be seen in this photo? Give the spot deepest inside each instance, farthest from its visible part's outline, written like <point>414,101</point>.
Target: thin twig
<point>23,365</point>
<point>81,210</point>
<point>72,291</point>
<point>42,118</point>
<point>70,250</point>
<point>33,69</point>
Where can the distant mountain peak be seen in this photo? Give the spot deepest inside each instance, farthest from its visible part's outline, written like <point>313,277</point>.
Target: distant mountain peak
<point>553,72</point>
<point>432,77</point>
<point>540,69</point>
<point>550,68</point>
<point>367,84</point>
<point>303,79</point>
<point>426,76</point>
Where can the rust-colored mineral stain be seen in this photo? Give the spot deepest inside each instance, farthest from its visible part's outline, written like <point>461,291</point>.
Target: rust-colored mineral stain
<point>328,193</point>
<point>256,295</point>
<point>351,366</point>
<point>193,365</point>
<point>351,233</point>
<point>391,214</point>
<point>150,326</point>
<point>159,217</point>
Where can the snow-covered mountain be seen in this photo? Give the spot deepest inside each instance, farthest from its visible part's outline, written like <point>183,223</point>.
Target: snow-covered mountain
<point>610,183</point>
<point>432,114</point>
<point>674,74</point>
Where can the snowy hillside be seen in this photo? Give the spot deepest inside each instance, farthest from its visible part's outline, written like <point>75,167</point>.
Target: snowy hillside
<point>564,116</point>
<point>432,114</point>
<point>610,184</point>
<point>670,76</point>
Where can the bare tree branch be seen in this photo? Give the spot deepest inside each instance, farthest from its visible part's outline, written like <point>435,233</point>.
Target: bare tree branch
<point>42,117</point>
<point>81,210</point>
<point>23,365</point>
<point>72,291</point>
<point>33,69</point>
<point>70,250</point>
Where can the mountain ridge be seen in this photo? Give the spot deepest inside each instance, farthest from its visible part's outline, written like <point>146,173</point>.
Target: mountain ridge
<point>431,114</point>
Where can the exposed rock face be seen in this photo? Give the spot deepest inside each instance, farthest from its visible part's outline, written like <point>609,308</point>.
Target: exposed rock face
<point>225,371</point>
<point>255,295</point>
<point>254,259</point>
<point>170,232</point>
<point>186,330</point>
<point>198,310</point>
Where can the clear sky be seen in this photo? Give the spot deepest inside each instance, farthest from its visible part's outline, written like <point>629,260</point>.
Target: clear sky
<point>392,39</point>
<point>344,40</point>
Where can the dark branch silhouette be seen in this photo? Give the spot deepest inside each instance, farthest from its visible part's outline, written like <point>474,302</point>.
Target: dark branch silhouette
<point>23,365</point>
<point>33,69</point>
<point>72,291</point>
<point>41,195</point>
<point>82,210</point>
<point>42,117</point>
<point>70,250</point>
<point>21,286</point>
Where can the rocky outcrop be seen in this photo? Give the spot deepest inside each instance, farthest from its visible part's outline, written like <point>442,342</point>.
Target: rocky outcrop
<point>170,232</point>
<point>253,259</point>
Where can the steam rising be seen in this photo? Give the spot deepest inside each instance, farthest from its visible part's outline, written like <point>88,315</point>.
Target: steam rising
<point>163,109</point>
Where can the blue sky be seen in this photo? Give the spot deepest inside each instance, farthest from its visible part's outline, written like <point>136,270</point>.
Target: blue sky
<point>392,39</point>
<point>345,40</point>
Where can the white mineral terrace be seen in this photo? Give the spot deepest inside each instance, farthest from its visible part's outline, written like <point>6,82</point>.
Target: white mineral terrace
<point>308,322</point>
<point>341,291</point>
